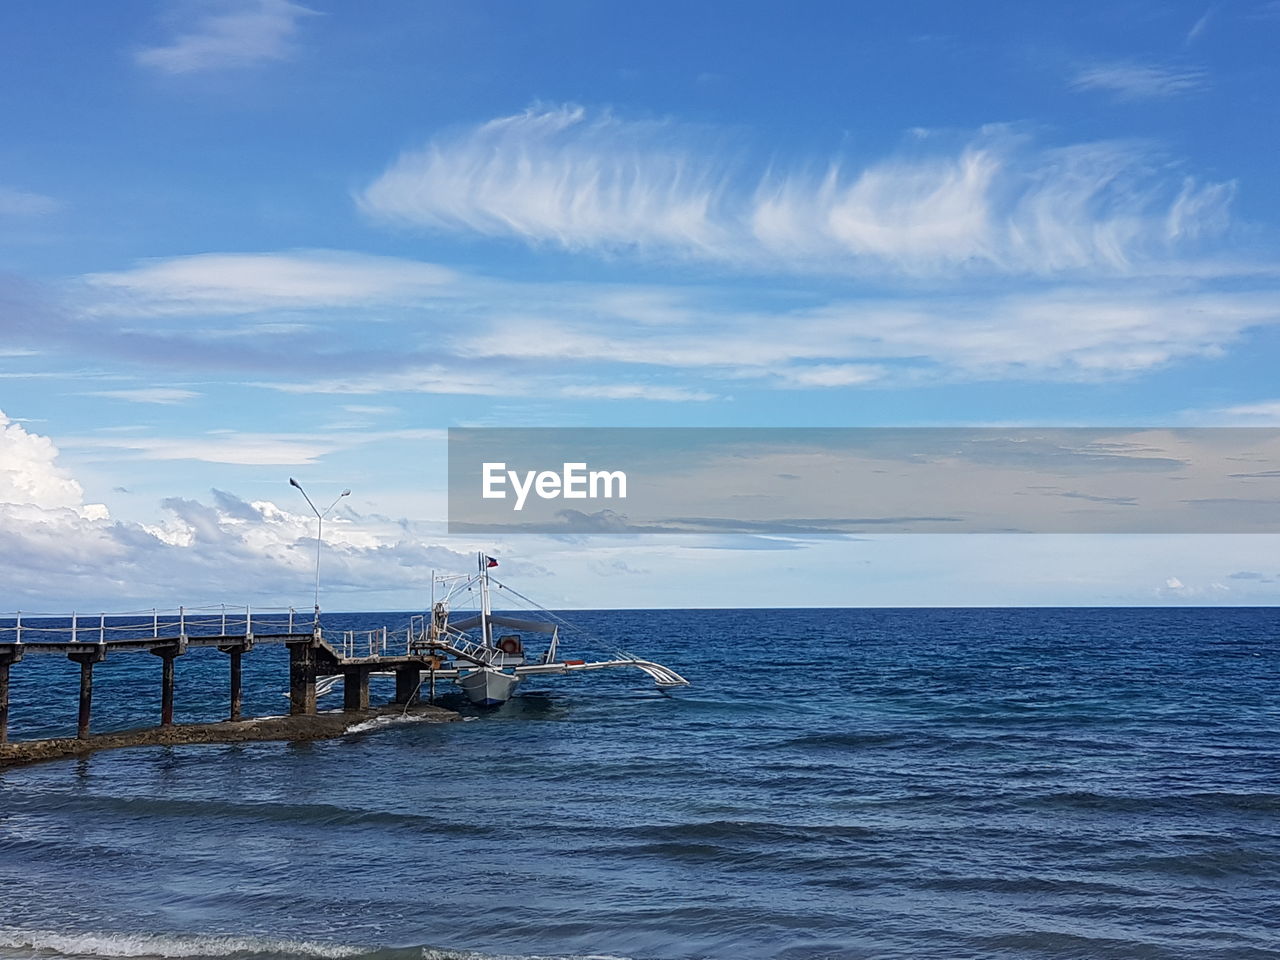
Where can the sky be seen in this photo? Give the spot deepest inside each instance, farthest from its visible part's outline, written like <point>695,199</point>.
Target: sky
<point>248,240</point>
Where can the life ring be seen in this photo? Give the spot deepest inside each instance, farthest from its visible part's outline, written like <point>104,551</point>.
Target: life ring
<point>509,645</point>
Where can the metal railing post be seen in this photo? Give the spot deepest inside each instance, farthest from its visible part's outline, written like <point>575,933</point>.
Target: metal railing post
<point>102,628</point>
<point>19,627</point>
<point>74,638</point>
<point>291,619</point>
<point>182,621</point>
<point>155,622</point>
<point>248,620</point>
<point>224,620</point>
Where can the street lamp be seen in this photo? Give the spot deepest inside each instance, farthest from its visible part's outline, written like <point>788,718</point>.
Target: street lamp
<point>315,626</point>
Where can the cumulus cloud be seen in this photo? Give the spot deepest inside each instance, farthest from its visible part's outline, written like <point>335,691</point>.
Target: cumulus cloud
<point>30,474</point>
<point>583,181</point>
<point>55,549</point>
<point>227,34</point>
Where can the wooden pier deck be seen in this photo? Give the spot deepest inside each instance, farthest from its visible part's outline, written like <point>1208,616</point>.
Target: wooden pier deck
<point>353,656</point>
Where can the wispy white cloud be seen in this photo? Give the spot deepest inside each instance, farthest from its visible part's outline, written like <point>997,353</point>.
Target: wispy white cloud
<point>1131,80</point>
<point>1262,413</point>
<point>425,378</point>
<point>159,395</point>
<point>234,448</point>
<point>580,181</point>
<point>508,339</point>
<point>1200,25</point>
<point>226,34</point>
<point>26,203</point>
<point>1070,333</point>
<point>557,175</point>
<point>230,283</point>
<point>828,375</point>
<point>237,447</point>
<point>638,391</point>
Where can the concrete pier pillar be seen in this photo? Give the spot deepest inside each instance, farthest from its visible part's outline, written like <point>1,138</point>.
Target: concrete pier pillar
<point>408,679</point>
<point>237,680</point>
<point>236,652</point>
<point>167,655</point>
<point>166,691</point>
<point>86,659</point>
<point>86,699</point>
<point>8,657</point>
<point>302,678</point>
<point>355,689</point>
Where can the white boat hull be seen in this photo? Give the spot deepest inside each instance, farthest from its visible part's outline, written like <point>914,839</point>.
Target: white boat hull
<point>488,688</point>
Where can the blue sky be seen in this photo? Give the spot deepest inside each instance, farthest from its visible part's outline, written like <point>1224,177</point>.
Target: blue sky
<point>247,239</point>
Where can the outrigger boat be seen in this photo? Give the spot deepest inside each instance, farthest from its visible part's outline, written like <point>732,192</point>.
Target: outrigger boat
<point>485,653</point>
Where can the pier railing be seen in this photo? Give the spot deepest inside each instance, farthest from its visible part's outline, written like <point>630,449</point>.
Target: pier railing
<point>219,620</point>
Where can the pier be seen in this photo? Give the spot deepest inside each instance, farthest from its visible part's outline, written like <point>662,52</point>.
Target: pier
<point>317,664</point>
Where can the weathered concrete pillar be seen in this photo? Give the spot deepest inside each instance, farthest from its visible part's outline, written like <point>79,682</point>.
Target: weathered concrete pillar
<point>236,651</point>
<point>237,681</point>
<point>355,689</point>
<point>408,679</point>
<point>86,658</point>
<point>8,657</point>
<point>86,699</point>
<point>167,655</point>
<point>302,678</point>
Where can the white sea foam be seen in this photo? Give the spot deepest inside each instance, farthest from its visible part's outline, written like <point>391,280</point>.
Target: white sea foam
<point>144,945</point>
<point>43,944</point>
<point>386,720</point>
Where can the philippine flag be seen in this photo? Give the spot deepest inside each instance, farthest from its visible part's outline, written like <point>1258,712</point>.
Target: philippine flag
<point>490,562</point>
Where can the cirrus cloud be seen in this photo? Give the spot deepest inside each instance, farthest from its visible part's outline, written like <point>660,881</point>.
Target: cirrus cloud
<point>1000,203</point>
<point>227,34</point>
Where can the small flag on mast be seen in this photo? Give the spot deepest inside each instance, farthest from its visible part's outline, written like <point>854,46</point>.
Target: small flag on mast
<point>490,562</point>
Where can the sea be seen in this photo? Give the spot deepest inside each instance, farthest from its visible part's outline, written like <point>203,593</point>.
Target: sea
<point>912,783</point>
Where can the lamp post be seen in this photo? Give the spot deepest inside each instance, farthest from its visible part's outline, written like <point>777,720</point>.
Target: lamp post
<point>315,626</point>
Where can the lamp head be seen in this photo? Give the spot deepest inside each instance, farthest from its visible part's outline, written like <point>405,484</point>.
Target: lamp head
<point>346,493</point>
<point>294,483</point>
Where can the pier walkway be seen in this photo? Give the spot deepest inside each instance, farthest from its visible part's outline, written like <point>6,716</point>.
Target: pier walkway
<point>314,654</point>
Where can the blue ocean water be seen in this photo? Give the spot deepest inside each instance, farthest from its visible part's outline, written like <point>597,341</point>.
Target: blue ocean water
<point>835,783</point>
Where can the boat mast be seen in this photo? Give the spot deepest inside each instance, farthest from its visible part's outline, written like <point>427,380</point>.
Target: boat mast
<point>486,631</point>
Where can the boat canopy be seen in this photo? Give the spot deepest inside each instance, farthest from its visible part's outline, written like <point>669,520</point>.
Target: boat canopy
<point>530,626</point>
